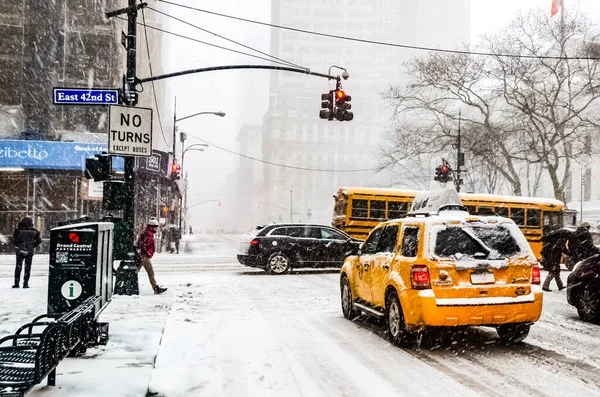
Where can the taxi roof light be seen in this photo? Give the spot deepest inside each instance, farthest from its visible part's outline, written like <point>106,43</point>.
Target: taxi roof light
<point>431,203</point>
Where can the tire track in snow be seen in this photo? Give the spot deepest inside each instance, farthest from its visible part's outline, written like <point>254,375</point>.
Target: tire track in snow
<point>339,349</point>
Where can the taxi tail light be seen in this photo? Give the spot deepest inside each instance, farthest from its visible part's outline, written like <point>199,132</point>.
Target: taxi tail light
<point>419,277</point>
<point>536,276</point>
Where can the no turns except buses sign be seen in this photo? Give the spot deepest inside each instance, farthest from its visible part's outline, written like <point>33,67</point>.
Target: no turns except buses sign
<point>130,131</point>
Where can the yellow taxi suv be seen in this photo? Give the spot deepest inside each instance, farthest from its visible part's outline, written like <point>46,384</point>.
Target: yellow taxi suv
<point>441,267</point>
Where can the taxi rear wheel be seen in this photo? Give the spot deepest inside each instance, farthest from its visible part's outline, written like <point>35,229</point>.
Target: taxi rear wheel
<point>513,333</point>
<point>397,332</point>
<point>348,308</point>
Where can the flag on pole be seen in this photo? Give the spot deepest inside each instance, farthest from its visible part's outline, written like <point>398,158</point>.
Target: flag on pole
<point>556,4</point>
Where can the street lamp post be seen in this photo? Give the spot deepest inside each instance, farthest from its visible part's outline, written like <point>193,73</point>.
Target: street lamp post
<point>176,120</point>
<point>183,138</point>
<point>197,147</point>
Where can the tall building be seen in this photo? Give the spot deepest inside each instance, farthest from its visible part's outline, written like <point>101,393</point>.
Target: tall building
<point>294,135</point>
<point>43,146</point>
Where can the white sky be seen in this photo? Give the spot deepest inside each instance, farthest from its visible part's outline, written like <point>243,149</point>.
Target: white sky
<point>211,172</point>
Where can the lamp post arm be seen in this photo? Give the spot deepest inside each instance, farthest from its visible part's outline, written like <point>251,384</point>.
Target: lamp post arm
<point>197,114</point>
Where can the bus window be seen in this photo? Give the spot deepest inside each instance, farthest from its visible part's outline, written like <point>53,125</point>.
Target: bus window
<point>360,208</point>
<point>534,217</point>
<point>485,211</point>
<point>501,211</point>
<point>518,216</point>
<point>377,209</point>
<point>472,209</point>
<point>397,209</point>
<point>552,220</point>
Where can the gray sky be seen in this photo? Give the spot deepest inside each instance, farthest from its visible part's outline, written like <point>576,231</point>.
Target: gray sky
<point>243,95</point>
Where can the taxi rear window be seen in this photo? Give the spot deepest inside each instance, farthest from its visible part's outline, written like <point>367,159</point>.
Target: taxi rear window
<point>489,242</point>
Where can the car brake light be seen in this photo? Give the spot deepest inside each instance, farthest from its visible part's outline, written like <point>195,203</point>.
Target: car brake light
<point>253,242</point>
<point>419,277</point>
<point>535,276</point>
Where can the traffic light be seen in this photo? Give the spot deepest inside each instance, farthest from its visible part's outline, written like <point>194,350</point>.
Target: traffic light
<point>99,167</point>
<point>258,205</point>
<point>327,103</point>
<point>443,173</point>
<point>175,172</point>
<point>219,201</point>
<point>342,106</point>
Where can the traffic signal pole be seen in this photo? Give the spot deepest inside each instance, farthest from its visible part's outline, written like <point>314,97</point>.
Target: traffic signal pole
<point>129,215</point>
<point>460,157</point>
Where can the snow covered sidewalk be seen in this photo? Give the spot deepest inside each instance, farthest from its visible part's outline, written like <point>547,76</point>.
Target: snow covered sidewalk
<point>121,368</point>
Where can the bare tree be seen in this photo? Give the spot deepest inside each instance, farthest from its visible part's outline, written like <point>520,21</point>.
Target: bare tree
<point>530,108</point>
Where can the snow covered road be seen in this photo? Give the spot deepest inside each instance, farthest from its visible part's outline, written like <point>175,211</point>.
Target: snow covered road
<point>234,331</point>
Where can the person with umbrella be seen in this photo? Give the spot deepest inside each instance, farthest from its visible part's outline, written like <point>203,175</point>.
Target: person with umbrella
<point>553,247</point>
<point>581,245</point>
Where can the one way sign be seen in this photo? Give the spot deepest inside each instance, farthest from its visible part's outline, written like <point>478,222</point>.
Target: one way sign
<point>130,131</point>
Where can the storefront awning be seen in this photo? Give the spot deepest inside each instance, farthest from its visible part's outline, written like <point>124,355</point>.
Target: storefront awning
<point>51,155</point>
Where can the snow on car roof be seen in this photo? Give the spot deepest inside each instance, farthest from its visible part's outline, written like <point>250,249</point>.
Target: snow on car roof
<point>511,199</point>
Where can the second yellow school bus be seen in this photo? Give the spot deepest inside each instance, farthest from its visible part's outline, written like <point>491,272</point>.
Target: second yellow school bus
<point>358,210</point>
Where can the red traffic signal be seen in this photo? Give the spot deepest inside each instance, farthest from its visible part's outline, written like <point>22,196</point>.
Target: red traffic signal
<point>175,170</point>
<point>340,95</point>
<point>443,173</point>
<point>219,201</point>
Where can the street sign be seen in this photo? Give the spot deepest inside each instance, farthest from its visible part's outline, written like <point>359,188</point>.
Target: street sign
<point>130,131</point>
<point>82,96</point>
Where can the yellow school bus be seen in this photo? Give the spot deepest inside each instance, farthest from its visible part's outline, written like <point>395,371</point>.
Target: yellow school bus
<point>358,210</point>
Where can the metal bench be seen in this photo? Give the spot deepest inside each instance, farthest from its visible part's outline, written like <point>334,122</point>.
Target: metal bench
<point>36,349</point>
<point>22,367</point>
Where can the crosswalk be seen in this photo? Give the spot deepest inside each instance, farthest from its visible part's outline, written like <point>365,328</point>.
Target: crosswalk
<point>204,253</point>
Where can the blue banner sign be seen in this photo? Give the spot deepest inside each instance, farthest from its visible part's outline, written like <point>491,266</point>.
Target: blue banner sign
<point>82,96</point>
<point>51,155</point>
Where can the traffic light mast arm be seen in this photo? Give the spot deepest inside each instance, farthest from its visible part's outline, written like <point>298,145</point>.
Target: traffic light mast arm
<point>273,205</point>
<point>229,67</point>
<point>202,202</point>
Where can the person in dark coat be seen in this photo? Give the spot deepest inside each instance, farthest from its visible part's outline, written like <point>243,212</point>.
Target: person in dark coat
<point>174,236</point>
<point>25,239</point>
<point>553,247</point>
<point>581,245</point>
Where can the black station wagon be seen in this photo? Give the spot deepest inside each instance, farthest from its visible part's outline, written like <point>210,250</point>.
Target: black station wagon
<point>280,247</point>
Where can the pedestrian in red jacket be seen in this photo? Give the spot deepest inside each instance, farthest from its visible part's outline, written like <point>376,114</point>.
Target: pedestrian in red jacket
<point>145,245</point>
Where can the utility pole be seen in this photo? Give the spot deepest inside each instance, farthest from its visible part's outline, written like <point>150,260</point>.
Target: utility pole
<point>460,157</point>
<point>129,84</point>
<point>129,96</point>
<point>291,203</point>
<point>174,128</point>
